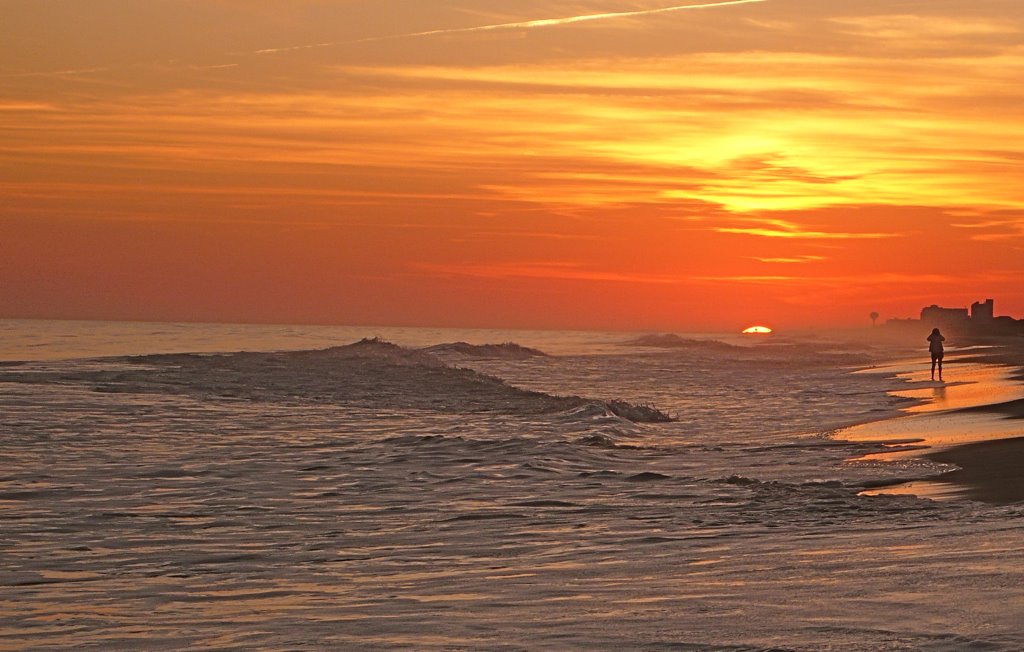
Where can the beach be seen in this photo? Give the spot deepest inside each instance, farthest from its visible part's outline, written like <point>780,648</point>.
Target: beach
<point>438,490</point>
<point>972,423</point>
<point>990,471</point>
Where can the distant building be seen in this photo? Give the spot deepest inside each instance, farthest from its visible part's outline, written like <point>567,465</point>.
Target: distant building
<point>1007,325</point>
<point>980,320</point>
<point>983,313</point>
<point>952,319</point>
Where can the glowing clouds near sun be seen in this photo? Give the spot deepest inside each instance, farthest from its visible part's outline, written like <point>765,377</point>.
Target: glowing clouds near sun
<point>585,164</point>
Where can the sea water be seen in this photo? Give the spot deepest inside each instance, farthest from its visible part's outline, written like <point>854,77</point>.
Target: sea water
<point>184,486</point>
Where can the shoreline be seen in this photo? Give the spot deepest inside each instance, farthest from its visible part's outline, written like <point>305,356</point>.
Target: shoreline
<point>974,421</point>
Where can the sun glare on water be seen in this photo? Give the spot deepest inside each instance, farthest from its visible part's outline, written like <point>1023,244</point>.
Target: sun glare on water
<point>758,330</point>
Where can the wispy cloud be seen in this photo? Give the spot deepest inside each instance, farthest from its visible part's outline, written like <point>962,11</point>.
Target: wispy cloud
<point>292,48</point>
<point>994,230</point>
<point>68,72</point>
<point>555,22</point>
<point>915,26</point>
<point>220,66</point>
<point>523,24</point>
<point>27,106</point>
<point>551,270</point>
<point>860,281</point>
<point>784,229</point>
<point>792,260</point>
<point>804,235</point>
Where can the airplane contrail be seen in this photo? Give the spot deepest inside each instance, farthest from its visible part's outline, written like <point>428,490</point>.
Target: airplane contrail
<point>526,24</point>
<point>550,22</point>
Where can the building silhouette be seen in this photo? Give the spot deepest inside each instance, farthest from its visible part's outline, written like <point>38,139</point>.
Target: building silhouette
<point>983,313</point>
<point>979,320</point>
<point>952,319</point>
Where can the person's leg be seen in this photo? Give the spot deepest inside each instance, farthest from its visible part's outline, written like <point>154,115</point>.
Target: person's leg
<point>940,368</point>
<point>933,367</point>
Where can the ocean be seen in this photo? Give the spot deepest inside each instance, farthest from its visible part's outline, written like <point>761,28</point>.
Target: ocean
<point>244,487</point>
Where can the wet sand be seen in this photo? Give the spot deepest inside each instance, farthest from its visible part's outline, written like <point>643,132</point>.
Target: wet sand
<point>991,471</point>
<point>974,422</point>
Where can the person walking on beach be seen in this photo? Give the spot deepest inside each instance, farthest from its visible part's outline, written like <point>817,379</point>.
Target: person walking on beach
<point>935,341</point>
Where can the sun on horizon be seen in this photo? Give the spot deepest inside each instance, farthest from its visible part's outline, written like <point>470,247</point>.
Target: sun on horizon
<point>758,330</point>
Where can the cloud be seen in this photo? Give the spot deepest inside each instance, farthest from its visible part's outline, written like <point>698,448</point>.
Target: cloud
<point>555,22</point>
<point>792,260</point>
<point>907,27</point>
<point>292,48</point>
<point>518,25</point>
<point>804,235</point>
<point>26,106</point>
<point>550,270</point>
<point>995,229</point>
<point>782,229</point>
<point>861,281</point>
<point>69,72</point>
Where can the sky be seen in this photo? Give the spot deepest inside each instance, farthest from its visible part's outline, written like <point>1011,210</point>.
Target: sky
<point>585,164</point>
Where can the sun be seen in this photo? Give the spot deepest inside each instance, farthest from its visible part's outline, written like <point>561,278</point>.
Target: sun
<point>758,330</point>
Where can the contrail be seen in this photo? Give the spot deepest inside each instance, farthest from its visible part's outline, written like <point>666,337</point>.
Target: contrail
<point>526,24</point>
<point>550,22</point>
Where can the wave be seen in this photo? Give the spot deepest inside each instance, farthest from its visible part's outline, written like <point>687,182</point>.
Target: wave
<point>672,341</point>
<point>610,412</point>
<point>371,373</point>
<point>773,352</point>
<point>505,351</point>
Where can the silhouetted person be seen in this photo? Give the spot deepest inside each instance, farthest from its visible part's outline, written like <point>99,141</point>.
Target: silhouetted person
<point>935,341</point>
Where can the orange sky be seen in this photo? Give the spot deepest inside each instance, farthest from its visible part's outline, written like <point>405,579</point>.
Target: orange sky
<point>572,164</point>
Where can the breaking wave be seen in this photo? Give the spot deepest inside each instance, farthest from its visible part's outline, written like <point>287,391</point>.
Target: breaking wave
<point>505,351</point>
<point>775,351</point>
<point>371,373</point>
<point>672,341</point>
